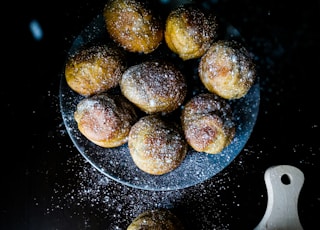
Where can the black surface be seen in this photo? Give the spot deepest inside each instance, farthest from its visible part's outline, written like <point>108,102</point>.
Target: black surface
<point>45,182</point>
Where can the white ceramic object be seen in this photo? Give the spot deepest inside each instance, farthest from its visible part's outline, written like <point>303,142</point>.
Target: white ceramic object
<point>284,183</point>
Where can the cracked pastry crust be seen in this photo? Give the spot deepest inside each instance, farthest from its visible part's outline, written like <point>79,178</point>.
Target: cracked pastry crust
<point>94,69</point>
<point>133,25</point>
<point>189,31</point>
<point>207,123</point>
<point>105,119</point>
<point>227,69</point>
<point>157,146</point>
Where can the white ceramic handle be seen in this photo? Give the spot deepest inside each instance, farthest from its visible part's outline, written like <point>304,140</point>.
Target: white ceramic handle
<point>284,183</point>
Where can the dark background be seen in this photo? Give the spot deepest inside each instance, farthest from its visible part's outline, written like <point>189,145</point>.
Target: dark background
<point>45,182</point>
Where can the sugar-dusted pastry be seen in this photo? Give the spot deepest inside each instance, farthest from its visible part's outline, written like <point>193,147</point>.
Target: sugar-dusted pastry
<point>94,68</point>
<point>207,123</point>
<point>105,119</point>
<point>156,219</point>
<point>154,86</point>
<point>157,146</point>
<point>134,25</point>
<point>227,69</point>
<point>189,31</point>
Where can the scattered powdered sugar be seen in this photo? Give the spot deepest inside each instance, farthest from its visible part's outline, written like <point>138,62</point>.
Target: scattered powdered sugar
<point>94,191</point>
<point>96,201</point>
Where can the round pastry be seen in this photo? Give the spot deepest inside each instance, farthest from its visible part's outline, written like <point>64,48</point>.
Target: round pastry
<point>133,25</point>
<point>105,119</point>
<point>207,123</point>
<point>227,69</point>
<point>157,146</point>
<point>156,219</point>
<point>154,86</point>
<point>189,31</point>
<point>94,69</point>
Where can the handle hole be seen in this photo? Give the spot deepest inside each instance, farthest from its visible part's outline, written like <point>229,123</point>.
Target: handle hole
<point>285,179</point>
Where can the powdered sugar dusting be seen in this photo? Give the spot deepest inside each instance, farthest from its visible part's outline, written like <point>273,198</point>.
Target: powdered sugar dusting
<point>154,86</point>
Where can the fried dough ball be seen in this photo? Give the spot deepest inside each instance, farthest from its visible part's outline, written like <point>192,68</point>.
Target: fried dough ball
<point>227,69</point>
<point>207,123</point>
<point>105,119</point>
<point>189,31</point>
<point>133,25</point>
<point>157,219</point>
<point>94,69</point>
<point>154,86</point>
<point>157,146</point>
